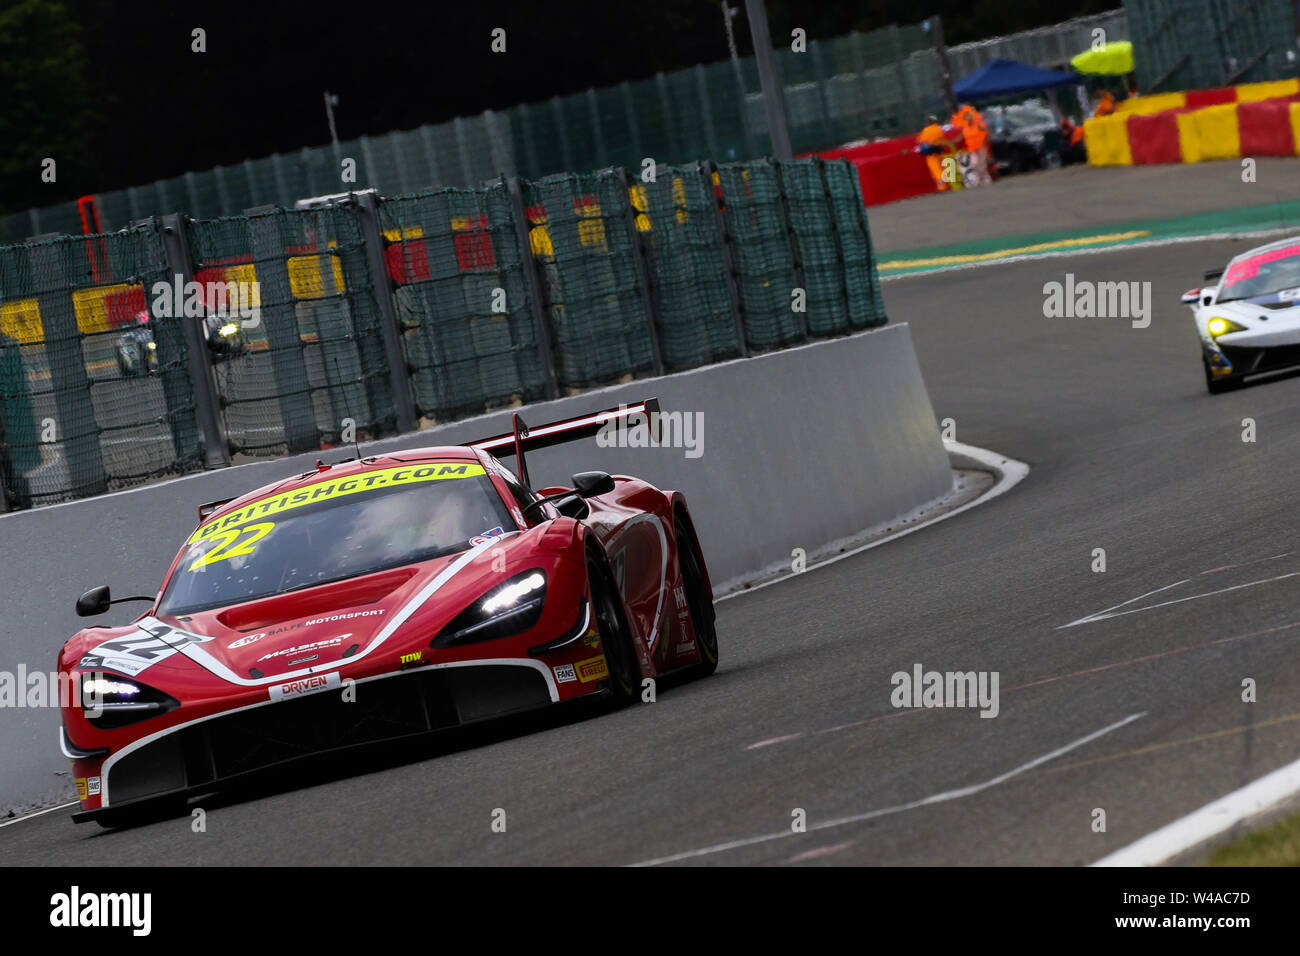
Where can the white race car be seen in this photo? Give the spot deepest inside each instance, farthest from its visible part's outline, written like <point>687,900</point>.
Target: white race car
<point>1250,321</point>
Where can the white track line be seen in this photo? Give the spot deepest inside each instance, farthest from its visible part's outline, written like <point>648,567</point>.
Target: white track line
<point>1209,821</point>
<point>924,802</point>
<point>38,813</point>
<point>1093,250</point>
<point>1107,615</point>
<point>1009,471</point>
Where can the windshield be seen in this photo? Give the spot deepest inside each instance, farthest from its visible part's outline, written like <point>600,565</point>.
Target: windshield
<point>1014,118</point>
<point>1262,274</point>
<point>335,529</point>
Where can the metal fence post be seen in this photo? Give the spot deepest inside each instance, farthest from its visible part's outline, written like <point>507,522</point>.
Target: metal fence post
<point>562,128</point>
<point>706,108</point>
<point>280,320</point>
<point>707,171</point>
<point>598,134</point>
<point>536,291</point>
<point>78,430</point>
<point>823,92</point>
<point>216,449</point>
<point>640,259</point>
<point>462,152</point>
<point>769,75</point>
<point>431,157</point>
<point>633,126</point>
<point>399,373</point>
<point>792,240</point>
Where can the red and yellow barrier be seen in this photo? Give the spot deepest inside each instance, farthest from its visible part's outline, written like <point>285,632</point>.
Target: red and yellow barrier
<point>1253,119</point>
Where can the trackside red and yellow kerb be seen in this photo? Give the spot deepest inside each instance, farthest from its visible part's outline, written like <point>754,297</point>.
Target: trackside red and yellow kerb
<point>336,488</point>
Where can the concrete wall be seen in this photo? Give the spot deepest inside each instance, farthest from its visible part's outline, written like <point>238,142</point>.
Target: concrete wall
<point>799,448</point>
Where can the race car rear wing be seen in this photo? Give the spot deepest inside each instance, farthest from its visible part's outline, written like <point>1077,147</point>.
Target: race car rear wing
<point>523,439</point>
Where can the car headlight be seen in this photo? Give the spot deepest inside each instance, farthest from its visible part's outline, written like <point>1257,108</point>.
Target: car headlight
<point>110,702</point>
<point>229,329</point>
<point>1219,326</point>
<point>509,608</point>
<point>151,346</point>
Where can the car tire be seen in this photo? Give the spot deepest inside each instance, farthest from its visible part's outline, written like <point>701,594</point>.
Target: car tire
<point>703,616</point>
<point>624,678</point>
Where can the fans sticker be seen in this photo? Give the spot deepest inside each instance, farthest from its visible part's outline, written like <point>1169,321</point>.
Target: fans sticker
<point>564,674</point>
<point>487,536</point>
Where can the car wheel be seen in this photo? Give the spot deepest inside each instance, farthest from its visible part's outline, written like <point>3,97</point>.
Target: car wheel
<point>615,635</point>
<point>697,599</point>
<point>122,368</point>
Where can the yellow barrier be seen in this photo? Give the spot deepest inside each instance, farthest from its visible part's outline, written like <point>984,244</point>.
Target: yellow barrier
<point>1209,133</point>
<point>1146,105</point>
<point>1254,92</point>
<point>1106,138</point>
<point>21,320</point>
<point>1295,126</point>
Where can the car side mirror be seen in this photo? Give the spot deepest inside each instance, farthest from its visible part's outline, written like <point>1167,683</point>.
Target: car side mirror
<point>95,601</point>
<point>1190,296</point>
<point>573,507</point>
<point>592,483</point>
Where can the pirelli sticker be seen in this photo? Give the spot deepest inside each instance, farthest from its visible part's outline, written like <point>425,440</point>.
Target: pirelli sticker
<point>592,669</point>
<point>336,488</point>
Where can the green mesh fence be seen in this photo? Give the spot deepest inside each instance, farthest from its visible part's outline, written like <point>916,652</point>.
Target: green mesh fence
<point>1198,44</point>
<point>593,295</point>
<point>677,219</point>
<point>95,392</point>
<point>862,297</point>
<point>606,276</point>
<point>820,254</point>
<point>463,301</point>
<point>312,356</point>
<point>762,252</point>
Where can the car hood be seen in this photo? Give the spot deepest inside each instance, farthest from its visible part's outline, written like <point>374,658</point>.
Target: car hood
<point>311,630</point>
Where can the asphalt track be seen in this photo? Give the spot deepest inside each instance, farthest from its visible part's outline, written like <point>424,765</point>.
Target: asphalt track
<point>1138,714</point>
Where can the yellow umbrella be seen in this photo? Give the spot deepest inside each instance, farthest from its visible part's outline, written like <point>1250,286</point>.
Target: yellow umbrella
<point>1111,59</point>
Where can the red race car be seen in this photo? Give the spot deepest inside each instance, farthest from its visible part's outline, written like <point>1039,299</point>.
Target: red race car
<point>379,599</point>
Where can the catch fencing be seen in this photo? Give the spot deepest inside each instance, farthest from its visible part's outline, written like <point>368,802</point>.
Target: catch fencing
<point>859,86</point>
<point>1202,44</point>
<point>186,343</point>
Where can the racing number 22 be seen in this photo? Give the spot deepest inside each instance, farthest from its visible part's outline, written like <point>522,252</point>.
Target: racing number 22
<point>232,544</point>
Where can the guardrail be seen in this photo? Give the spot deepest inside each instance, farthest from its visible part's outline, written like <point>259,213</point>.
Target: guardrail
<point>181,344</point>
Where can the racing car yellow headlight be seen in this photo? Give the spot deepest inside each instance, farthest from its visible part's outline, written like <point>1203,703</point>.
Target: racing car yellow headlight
<point>1218,326</point>
<point>230,328</point>
<point>151,346</point>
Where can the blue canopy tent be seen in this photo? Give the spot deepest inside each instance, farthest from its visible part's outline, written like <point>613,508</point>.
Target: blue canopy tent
<point>1007,77</point>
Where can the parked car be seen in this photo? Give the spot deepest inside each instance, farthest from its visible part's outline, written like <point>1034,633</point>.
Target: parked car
<point>1024,136</point>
